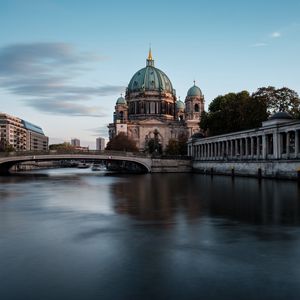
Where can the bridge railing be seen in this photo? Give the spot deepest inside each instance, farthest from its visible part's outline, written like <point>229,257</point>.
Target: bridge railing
<point>62,152</point>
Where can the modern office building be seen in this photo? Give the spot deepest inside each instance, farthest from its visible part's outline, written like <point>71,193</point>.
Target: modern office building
<point>100,143</point>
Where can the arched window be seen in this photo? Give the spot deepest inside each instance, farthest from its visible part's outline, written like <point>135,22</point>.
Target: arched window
<point>196,107</point>
<point>121,114</point>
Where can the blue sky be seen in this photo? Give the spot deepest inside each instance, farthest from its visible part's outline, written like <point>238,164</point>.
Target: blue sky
<point>63,64</point>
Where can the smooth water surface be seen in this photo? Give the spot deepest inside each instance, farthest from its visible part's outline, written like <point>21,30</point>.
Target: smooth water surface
<point>78,234</point>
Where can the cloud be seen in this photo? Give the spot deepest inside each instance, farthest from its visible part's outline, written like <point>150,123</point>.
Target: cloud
<point>275,34</point>
<point>99,131</point>
<point>43,72</point>
<point>51,106</point>
<point>259,45</point>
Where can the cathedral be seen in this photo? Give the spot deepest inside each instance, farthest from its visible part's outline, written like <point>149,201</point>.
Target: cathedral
<point>151,109</point>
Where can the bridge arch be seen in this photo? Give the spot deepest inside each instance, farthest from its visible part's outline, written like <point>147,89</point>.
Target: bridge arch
<point>9,161</point>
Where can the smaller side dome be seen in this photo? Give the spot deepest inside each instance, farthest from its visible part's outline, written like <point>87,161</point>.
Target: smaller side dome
<point>179,104</point>
<point>194,91</point>
<point>121,100</point>
<point>281,115</point>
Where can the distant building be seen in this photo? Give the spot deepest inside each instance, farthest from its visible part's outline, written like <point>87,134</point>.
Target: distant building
<point>75,142</point>
<point>100,143</point>
<point>81,148</point>
<point>21,134</point>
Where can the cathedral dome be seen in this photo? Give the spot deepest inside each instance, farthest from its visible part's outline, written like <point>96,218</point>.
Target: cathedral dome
<point>179,104</point>
<point>194,91</point>
<point>121,100</point>
<point>150,79</point>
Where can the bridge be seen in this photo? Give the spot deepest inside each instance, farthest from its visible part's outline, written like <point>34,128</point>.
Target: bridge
<point>145,163</point>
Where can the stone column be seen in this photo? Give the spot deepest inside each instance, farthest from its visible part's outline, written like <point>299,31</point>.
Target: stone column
<point>257,146</point>
<point>227,148</point>
<point>264,146</point>
<point>276,145</point>
<point>231,148</point>
<point>241,148</point>
<point>215,150</point>
<point>252,146</point>
<point>221,150</point>
<point>246,145</point>
<point>287,145</point>
<point>236,148</point>
<point>296,143</point>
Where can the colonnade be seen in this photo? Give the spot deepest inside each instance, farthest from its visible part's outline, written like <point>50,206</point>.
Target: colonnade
<point>248,145</point>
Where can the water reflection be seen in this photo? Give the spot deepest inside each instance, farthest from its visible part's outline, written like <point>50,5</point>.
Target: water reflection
<point>159,197</point>
<point>81,235</point>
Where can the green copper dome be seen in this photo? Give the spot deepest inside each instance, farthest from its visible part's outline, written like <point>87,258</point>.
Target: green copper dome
<point>194,91</point>
<point>121,100</point>
<point>150,79</point>
<point>179,104</point>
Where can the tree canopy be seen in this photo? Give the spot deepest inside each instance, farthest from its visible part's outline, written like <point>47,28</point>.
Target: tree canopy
<point>63,146</point>
<point>233,112</point>
<point>122,142</point>
<point>177,146</point>
<point>283,99</point>
<point>5,146</point>
<point>241,111</point>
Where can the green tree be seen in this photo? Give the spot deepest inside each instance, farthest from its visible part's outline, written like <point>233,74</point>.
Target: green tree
<point>283,99</point>
<point>122,142</point>
<point>63,146</point>
<point>233,112</point>
<point>153,146</point>
<point>177,146</point>
<point>5,146</point>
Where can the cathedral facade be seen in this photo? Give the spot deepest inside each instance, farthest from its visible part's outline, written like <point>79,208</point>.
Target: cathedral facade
<point>150,109</point>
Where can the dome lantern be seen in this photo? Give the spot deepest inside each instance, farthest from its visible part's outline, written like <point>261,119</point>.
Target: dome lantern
<point>150,61</point>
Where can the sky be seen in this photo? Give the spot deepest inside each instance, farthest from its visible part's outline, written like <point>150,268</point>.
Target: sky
<point>64,63</point>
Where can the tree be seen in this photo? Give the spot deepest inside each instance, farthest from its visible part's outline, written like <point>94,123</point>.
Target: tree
<point>283,99</point>
<point>177,147</point>
<point>122,142</point>
<point>63,146</point>
<point>6,147</point>
<point>233,112</point>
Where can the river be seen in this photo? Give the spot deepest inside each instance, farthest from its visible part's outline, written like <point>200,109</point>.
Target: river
<point>78,234</point>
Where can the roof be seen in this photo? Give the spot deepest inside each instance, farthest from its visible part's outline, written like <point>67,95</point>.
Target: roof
<point>194,91</point>
<point>150,79</point>
<point>32,127</point>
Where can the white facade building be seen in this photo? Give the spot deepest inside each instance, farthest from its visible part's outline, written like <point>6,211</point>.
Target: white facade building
<point>100,143</point>
<point>277,139</point>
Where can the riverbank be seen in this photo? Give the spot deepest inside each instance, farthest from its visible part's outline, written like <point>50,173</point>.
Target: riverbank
<point>279,169</point>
